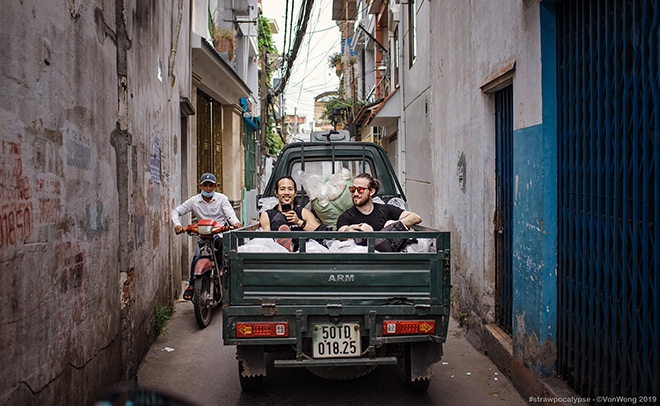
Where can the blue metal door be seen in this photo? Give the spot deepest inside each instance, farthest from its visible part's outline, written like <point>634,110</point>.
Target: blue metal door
<point>608,203</point>
<point>503,221</point>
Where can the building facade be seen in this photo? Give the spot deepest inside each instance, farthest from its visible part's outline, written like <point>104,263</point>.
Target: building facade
<point>111,112</point>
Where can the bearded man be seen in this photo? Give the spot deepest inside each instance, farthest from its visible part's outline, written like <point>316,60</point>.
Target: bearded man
<point>365,215</point>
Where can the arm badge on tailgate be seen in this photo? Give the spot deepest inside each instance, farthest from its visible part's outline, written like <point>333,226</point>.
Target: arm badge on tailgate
<point>341,278</point>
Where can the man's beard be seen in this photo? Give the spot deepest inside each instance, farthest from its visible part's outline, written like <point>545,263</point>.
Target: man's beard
<point>361,201</point>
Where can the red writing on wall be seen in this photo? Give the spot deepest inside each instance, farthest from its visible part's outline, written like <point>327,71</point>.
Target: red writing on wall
<point>49,186</point>
<point>15,223</point>
<point>50,211</point>
<point>12,183</point>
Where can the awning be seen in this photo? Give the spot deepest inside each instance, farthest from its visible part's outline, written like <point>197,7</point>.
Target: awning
<point>249,121</point>
<point>216,76</point>
<point>388,112</point>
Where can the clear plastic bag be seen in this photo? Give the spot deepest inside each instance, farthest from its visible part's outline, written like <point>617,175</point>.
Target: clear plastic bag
<point>321,191</point>
<point>268,203</point>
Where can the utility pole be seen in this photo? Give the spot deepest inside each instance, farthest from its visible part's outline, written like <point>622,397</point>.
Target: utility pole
<point>264,112</point>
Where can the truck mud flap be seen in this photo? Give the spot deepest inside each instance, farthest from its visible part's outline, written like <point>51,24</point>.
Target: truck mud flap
<point>252,360</point>
<point>421,358</point>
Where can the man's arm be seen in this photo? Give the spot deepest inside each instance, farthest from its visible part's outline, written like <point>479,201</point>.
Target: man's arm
<point>408,218</point>
<point>176,213</point>
<point>264,221</point>
<point>230,214</point>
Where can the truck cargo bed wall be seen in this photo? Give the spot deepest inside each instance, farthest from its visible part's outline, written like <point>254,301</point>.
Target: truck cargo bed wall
<point>375,278</point>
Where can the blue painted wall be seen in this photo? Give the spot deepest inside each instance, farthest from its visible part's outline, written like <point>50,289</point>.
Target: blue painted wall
<point>535,208</point>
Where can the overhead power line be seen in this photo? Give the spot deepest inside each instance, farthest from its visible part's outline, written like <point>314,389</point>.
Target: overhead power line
<point>300,33</point>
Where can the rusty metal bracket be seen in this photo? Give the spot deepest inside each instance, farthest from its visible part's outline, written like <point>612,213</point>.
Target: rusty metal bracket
<point>268,309</point>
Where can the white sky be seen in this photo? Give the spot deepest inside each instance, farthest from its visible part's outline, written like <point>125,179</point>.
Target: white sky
<point>311,74</point>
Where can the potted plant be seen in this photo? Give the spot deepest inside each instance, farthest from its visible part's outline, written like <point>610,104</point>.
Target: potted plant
<point>223,41</point>
<point>335,60</point>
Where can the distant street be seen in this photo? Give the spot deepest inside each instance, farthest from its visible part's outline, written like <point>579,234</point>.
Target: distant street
<point>195,365</point>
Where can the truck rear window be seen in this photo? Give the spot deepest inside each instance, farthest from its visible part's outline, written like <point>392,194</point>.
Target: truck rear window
<point>324,169</point>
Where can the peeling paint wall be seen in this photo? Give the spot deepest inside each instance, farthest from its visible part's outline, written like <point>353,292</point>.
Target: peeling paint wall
<point>471,41</point>
<point>89,116</point>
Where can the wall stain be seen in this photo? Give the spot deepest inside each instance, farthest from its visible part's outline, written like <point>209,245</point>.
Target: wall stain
<point>461,169</point>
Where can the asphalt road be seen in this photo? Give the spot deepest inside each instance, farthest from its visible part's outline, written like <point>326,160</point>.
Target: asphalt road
<point>194,365</point>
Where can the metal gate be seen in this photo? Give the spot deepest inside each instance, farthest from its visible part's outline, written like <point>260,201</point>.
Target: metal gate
<point>504,190</point>
<point>608,203</point>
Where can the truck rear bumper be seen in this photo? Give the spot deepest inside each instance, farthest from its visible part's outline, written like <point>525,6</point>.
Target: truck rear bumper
<point>335,362</point>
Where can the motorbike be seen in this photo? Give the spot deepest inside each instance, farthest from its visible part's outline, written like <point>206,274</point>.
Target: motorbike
<point>208,272</point>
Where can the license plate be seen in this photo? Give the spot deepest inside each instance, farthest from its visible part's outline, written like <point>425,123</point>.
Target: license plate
<point>336,340</point>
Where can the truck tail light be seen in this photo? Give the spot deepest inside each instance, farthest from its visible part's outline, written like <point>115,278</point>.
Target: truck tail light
<point>268,329</point>
<point>393,327</point>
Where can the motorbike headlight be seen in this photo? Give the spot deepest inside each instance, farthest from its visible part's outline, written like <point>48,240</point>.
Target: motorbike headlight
<point>205,230</point>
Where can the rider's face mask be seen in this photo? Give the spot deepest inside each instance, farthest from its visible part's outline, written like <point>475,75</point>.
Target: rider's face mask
<point>208,189</point>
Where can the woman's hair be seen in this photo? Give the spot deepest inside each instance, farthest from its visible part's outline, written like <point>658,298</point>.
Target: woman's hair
<point>277,184</point>
<point>373,182</point>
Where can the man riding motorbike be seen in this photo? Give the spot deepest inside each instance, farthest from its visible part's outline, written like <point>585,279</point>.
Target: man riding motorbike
<point>209,204</point>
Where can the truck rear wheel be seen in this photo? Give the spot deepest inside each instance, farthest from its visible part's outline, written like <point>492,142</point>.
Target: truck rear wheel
<point>341,373</point>
<point>249,383</point>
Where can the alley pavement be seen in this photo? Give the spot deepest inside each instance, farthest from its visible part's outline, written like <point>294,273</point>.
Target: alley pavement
<point>193,364</point>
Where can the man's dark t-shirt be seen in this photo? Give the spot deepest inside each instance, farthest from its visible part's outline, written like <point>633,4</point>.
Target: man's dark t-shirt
<point>376,219</point>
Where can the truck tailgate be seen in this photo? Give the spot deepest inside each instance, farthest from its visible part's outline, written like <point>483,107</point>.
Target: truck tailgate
<point>379,278</point>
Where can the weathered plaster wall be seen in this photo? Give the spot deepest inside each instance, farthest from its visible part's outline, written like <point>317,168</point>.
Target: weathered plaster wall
<point>85,162</point>
<point>232,154</point>
<point>470,41</point>
<point>416,141</point>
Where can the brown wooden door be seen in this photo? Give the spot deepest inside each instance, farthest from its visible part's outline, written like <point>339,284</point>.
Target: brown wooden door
<point>209,137</point>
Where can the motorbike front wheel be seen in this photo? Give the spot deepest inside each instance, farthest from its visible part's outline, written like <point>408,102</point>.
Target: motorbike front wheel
<point>202,300</point>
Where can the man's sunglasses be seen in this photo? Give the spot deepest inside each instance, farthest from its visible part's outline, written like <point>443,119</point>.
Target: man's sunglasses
<point>359,189</point>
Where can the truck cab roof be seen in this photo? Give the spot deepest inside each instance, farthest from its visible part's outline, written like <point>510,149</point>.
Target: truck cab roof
<point>327,158</point>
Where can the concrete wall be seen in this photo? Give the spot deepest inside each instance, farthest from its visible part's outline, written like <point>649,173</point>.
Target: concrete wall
<point>470,42</point>
<point>88,162</point>
<point>416,141</point>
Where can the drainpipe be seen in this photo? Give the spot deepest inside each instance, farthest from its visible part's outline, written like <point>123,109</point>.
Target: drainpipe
<point>401,139</point>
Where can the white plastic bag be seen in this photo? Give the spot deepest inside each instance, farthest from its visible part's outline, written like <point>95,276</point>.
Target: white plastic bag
<point>315,246</point>
<point>397,202</point>
<point>337,246</point>
<point>268,203</point>
<point>262,245</point>
<point>422,245</point>
<point>324,192</point>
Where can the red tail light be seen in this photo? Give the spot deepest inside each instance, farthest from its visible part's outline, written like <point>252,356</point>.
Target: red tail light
<point>393,327</point>
<point>270,329</point>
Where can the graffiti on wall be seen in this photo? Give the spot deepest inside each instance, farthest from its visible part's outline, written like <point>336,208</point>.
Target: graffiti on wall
<point>78,152</point>
<point>16,211</point>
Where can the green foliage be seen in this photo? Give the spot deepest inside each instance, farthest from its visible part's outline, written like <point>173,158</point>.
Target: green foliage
<point>211,23</point>
<point>335,61</point>
<point>274,143</point>
<point>265,37</point>
<point>464,319</point>
<point>163,313</point>
<point>266,40</point>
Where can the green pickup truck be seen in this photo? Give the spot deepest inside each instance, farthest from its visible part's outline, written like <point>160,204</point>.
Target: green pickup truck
<point>338,314</point>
